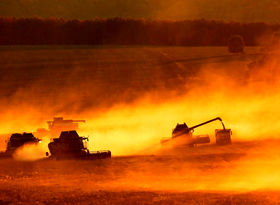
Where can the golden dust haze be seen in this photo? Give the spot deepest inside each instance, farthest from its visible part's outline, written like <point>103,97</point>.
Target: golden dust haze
<point>248,104</point>
<point>248,108</point>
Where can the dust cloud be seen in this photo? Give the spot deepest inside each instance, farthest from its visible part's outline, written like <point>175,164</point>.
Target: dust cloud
<point>246,99</point>
<point>247,103</point>
<point>32,152</point>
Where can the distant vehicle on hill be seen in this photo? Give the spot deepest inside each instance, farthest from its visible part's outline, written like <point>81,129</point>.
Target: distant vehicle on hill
<point>236,44</point>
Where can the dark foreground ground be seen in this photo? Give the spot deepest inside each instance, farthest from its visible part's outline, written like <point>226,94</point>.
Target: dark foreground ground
<point>42,195</point>
<point>204,175</point>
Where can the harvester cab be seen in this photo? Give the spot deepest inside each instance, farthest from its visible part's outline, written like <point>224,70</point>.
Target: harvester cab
<point>70,145</point>
<point>223,136</point>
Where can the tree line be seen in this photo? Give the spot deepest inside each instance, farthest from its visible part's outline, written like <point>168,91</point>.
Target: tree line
<point>123,31</point>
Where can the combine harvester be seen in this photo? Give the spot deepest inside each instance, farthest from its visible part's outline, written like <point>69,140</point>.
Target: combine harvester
<point>57,125</point>
<point>182,131</point>
<point>71,146</point>
<point>16,141</point>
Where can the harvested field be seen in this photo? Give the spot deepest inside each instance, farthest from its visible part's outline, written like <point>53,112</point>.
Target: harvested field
<point>131,97</point>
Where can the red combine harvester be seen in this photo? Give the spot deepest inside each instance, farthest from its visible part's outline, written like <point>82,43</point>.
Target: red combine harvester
<point>223,136</point>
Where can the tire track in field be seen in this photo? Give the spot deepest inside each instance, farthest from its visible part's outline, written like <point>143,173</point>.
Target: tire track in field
<point>221,58</point>
<point>192,65</point>
<point>183,73</point>
<point>173,74</point>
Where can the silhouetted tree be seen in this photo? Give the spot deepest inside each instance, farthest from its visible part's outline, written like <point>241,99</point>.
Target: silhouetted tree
<point>120,31</point>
